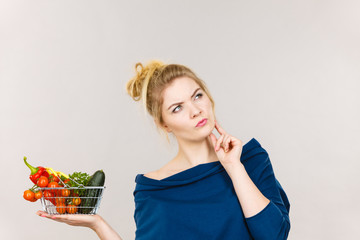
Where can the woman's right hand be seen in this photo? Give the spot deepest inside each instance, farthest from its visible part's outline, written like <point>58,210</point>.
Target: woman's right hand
<point>95,222</point>
<point>74,219</point>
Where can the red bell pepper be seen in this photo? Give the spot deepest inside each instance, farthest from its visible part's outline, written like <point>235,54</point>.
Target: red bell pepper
<point>37,172</point>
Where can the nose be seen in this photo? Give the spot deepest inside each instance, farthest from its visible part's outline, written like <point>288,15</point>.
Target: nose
<point>195,111</point>
<point>197,114</point>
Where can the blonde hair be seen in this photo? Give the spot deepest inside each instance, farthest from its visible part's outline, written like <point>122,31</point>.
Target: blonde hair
<point>150,81</point>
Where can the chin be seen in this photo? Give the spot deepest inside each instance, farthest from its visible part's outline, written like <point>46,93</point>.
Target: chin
<point>206,131</point>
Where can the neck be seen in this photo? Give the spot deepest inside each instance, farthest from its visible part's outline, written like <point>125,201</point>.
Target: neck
<point>193,153</point>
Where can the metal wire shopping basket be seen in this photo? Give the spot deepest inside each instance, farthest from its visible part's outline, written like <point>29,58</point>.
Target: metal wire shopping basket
<point>71,200</point>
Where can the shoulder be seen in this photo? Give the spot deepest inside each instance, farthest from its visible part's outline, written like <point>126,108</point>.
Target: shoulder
<point>165,171</point>
<point>160,173</point>
<point>251,149</point>
<point>153,175</point>
<point>254,157</point>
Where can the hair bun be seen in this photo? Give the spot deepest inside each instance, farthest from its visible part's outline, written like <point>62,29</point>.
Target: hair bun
<point>136,87</point>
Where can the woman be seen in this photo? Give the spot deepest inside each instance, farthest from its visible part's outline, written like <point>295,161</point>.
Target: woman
<point>214,188</point>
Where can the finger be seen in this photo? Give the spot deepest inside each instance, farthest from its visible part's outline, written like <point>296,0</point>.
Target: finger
<point>56,218</point>
<point>219,141</point>
<point>236,142</point>
<point>60,218</point>
<point>40,212</point>
<point>213,139</point>
<point>226,142</point>
<point>219,129</point>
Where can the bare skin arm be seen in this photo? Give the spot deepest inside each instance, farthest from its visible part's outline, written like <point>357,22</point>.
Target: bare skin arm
<point>228,150</point>
<point>94,222</point>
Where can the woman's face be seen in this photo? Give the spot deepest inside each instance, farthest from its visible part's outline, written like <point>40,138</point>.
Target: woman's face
<point>185,105</point>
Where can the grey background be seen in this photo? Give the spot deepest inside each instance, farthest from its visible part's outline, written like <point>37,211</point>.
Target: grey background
<point>284,72</point>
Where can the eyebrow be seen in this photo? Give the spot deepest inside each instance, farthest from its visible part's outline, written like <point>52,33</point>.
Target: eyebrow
<point>183,102</point>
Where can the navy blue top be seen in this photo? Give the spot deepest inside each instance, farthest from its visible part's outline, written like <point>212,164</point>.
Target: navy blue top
<point>201,203</point>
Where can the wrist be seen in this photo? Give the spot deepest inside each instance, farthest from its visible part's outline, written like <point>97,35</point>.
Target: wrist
<point>104,230</point>
<point>233,170</point>
<point>98,223</point>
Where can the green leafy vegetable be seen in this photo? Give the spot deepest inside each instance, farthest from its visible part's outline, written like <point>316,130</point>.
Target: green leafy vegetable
<point>79,178</point>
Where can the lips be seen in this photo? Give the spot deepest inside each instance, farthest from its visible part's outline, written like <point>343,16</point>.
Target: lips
<point>202,122</point>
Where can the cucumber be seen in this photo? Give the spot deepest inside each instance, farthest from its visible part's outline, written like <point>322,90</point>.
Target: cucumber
<point>96,180</point>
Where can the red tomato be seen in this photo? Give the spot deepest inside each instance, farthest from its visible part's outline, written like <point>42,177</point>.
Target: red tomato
<point>60,200</point>
<point>65,192</point>
<point>56,193</point>
<point>53,184</point>
<point>71,209</point>
<point>29,195</point>
<point>76,201</point>
<point>61,208</point>
<point>38,195</point>
<point>49,196</point>
<point>54,178</point>
<point>43,181</point>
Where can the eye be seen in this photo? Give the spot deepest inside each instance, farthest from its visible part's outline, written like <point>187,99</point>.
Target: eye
<point>176,108</point>
<point>179,106</point>
<point>199,94</point>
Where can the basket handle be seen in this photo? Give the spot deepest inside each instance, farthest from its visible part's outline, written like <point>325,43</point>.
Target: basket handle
<point>52,171</point>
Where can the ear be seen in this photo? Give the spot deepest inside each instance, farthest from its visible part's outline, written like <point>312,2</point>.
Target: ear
<point>163,126</point>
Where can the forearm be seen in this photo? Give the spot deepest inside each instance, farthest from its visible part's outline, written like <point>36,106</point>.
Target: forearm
<point>105,231</point>
<point>252,201</point>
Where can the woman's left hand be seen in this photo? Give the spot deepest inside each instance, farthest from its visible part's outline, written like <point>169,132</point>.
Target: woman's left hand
<point>227,148</point>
